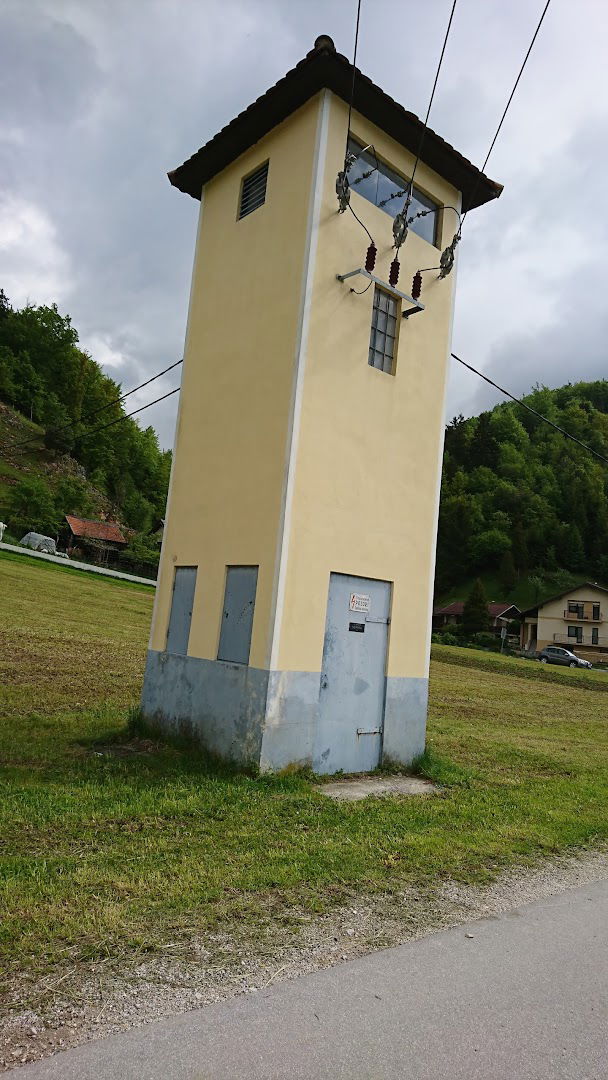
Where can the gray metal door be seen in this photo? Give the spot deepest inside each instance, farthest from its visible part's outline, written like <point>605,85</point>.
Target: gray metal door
<point>353,678</point>
<point>237,616</point>
<point>184,584</point>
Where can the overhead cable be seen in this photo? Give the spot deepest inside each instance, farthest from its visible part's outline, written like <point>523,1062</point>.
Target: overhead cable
<point>529,409</point>
<point>127,416</point>
<point>506,109</point>
<point>95,412</point>
<point>428,111</point>
<point>401,221</point>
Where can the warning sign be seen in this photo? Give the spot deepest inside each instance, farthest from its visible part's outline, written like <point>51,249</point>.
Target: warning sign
<point>359,602</point>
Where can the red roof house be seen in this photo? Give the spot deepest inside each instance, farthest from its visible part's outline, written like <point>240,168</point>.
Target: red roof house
<point>108,532</point>
<point>499,614</point>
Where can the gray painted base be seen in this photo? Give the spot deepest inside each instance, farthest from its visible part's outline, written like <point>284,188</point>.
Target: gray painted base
<point>405,711</point>
<point>267,719</point>
<point>220,704</point>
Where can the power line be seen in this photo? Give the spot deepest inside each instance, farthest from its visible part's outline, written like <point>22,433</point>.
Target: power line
<point>539,416</point>
<point>352,89</point>
<point>428,111</point>
<point>401,222</point>
<point>95,412</point>
<point>127,416</point>
<point>506,109</point>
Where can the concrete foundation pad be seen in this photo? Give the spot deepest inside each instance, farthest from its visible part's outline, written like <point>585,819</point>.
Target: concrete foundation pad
<point>363,787</point>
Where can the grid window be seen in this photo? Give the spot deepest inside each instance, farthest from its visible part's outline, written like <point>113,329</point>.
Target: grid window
<point>383,189</point>
<point>575,632</point>
<point>382,342</point>
<point>253,191</point>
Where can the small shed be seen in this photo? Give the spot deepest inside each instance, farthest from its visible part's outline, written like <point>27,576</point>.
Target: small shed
<point>99,540</point>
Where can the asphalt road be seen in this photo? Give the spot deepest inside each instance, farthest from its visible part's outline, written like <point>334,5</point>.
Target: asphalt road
<point>524,998</point>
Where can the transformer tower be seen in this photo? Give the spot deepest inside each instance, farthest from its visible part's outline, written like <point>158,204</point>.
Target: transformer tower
<point>293,611</point>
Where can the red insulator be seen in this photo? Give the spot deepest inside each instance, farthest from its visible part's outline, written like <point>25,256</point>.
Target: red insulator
<point>417,285</point>
<point>370,258</point>
<point>393,276</point>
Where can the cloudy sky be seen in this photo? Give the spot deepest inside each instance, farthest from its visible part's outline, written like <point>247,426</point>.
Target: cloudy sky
<point>99,98</point>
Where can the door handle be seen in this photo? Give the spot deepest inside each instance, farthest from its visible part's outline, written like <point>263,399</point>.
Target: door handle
<point>323,681</point>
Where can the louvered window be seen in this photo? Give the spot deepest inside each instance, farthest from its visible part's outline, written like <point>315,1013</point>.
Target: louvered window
<point>253,191</point>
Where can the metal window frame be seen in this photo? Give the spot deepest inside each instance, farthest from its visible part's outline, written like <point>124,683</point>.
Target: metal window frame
<point>395,177</point>
<point>384,353</point>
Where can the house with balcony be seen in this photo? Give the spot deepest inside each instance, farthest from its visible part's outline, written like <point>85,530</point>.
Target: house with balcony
<point>575,618</point>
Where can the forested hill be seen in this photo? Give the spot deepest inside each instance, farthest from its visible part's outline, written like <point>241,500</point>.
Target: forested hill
<point>50,380</point>
<point>519,499</point>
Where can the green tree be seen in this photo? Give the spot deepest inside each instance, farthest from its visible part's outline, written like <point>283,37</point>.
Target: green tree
<point>490,546</point>
<point>31,507</point>
<point>475,615</point>
<point>537,583</point>
<point>570,547</point>
<point>8,385</point>
<point>138,512</point>
<point>50,379</point>
<point>72,497</point>
<point>519,548</point>
<point>507,573</point>
<point>58,432</point>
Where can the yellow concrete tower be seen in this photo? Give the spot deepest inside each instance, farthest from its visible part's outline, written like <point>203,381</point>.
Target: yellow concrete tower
<point>293,610</point>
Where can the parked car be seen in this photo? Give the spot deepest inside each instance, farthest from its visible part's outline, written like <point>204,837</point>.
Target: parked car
<point>555,655</point>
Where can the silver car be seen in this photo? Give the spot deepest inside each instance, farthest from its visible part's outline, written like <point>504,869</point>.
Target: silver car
<point>553,654</point>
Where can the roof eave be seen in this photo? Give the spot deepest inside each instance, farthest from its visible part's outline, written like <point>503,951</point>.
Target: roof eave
<point>323,68</point>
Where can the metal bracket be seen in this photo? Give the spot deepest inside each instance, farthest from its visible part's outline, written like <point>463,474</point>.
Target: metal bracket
<point>372,731</point>
<point>416,305</point>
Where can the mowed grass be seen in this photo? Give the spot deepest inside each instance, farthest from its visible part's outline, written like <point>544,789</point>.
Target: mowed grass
<point>112,845</point>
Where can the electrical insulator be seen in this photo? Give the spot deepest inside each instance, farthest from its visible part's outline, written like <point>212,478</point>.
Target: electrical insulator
<point>370,258</point>
<point>393,276</point>
<point>417,285</point>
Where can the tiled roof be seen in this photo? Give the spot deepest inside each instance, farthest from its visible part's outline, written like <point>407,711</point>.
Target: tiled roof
<point>324,68</point>
<point>457,608</point>
<point>95,530</point>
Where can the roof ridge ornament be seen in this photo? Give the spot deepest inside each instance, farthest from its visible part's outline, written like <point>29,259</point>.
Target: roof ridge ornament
<point>324,44</point>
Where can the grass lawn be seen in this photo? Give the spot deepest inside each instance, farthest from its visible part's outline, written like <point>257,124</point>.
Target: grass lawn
<point>112,845</point>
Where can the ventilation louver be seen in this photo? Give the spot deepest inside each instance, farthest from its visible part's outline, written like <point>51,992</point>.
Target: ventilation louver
<point>253,192</point>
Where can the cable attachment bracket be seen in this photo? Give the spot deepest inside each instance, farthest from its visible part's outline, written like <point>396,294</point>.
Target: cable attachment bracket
<point>400,225</point>
<point>342,183</point>
<point>446,261</point>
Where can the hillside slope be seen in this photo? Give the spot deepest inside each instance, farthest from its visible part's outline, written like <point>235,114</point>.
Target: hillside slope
<point>64,477</point>
<point>78,411</point>
<point>521,505</point>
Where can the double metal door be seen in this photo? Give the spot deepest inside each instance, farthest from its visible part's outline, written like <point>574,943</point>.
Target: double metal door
<point>353,677</point>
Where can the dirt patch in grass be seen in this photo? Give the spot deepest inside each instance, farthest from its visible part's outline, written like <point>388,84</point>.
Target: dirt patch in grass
<point>124,749</point>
